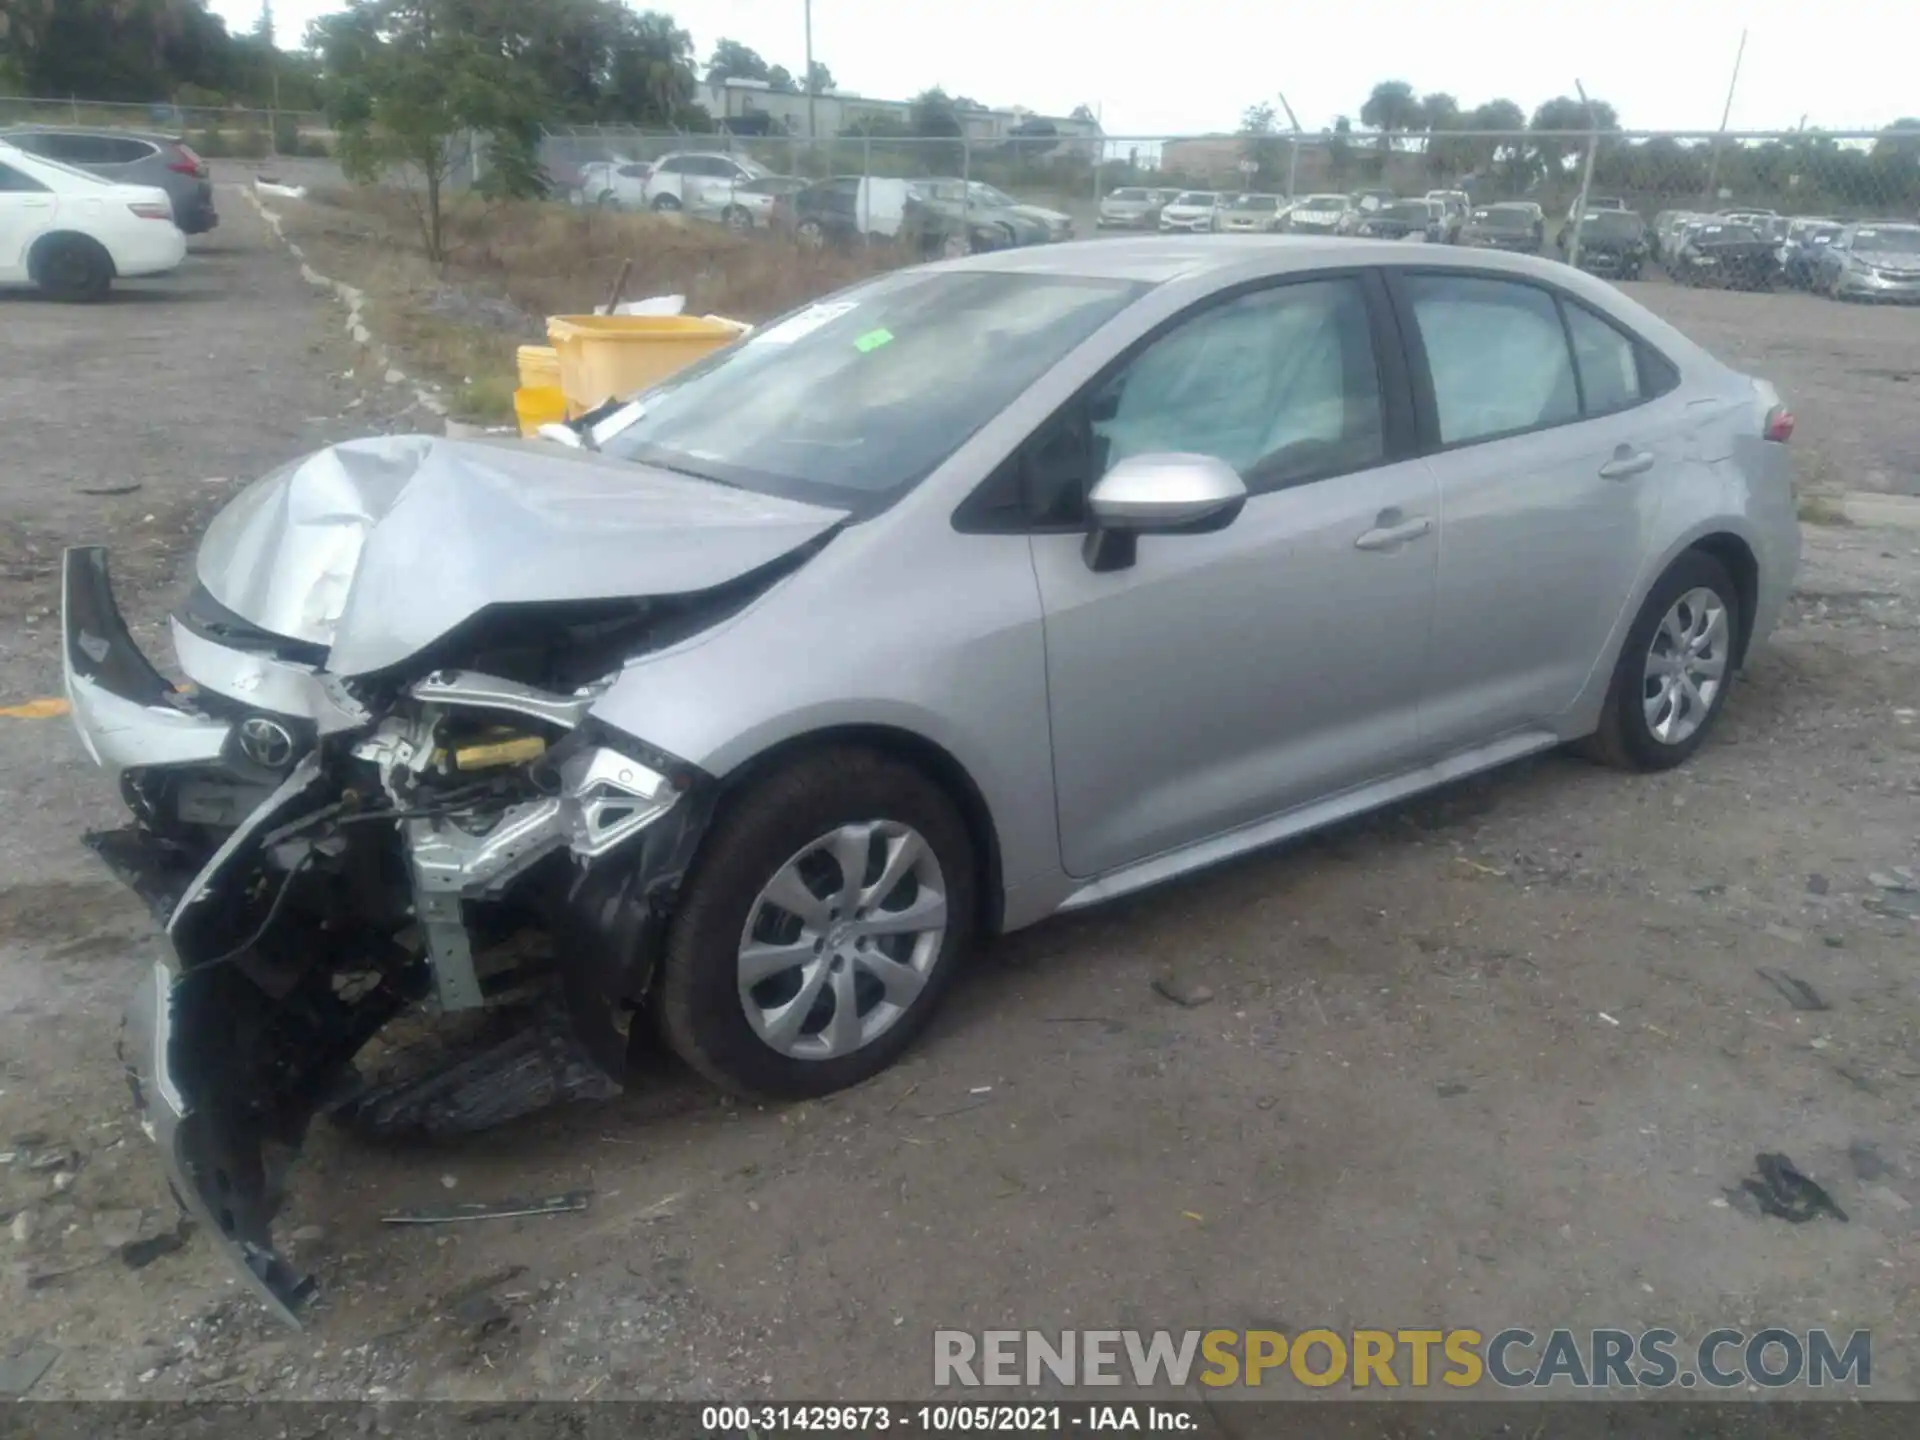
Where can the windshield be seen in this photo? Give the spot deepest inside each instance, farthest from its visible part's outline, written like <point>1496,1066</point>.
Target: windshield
<point>1194,197</point>
<point>1888,240</point>
<point>1258,202</point>
<point>1414,213</point>
<point>1128,195</point>
<point>1505,217</point>
<point>856,398</point>
<point>1612,224</point>
<point>1734,234</point>
<point>981,194</point>
<point>1324,202</point>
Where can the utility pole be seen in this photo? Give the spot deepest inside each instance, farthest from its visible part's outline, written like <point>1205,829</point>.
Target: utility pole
<point>1586,178</point>
<point>1293,145</point>
<point>1713,166</point>
<point>813,129</point>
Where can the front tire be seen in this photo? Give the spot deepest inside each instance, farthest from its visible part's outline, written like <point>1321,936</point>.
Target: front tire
<point>1674,671</point>
<point>75,269</point>
<point>665,204</point>
<point>829,914</point>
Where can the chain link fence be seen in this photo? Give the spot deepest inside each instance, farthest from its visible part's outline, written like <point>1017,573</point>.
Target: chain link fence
<point>1653,184</point>
<point>224,132</point>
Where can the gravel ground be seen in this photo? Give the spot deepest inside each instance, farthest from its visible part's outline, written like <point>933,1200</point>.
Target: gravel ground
<point>1488,1059</point>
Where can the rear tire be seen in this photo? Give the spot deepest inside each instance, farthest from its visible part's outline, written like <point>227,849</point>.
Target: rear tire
<point>1681,604</point>
<point>783,828</point>
<point>664,204</point>
<point>74,268</point>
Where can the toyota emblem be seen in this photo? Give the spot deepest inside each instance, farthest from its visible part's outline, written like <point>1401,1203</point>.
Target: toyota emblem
<point>265,742</point>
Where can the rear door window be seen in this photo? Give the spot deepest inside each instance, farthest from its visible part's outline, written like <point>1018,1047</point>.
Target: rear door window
<point>1497,354</point>
<point>1608,364</point>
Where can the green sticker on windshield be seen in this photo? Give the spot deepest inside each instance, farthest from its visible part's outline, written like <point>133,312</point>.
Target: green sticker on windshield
<point>873,340</point>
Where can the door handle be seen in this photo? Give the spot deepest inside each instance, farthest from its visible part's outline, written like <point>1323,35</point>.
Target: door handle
<point>1624,465</point>
<point>1385,537</point>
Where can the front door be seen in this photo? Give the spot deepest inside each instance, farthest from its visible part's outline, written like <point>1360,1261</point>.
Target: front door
<point>1227,676</point>
<point>1554,454</point>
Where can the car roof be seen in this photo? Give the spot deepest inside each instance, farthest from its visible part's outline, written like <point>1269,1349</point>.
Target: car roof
<point>154,137</point>
<point>1155,259</point>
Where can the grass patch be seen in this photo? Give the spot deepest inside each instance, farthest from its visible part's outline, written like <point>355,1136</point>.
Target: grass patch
<point>1823,510</point>
<point>511,264</point>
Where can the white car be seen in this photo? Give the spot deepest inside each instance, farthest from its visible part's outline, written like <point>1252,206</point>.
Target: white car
<point>1323,215</point>
<point>1191,210</point>
<point>620,183</point>
<point>701,183</point>
<point>72,234</point>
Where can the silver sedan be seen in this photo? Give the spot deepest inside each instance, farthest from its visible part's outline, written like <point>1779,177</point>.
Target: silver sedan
<point>974,594</point>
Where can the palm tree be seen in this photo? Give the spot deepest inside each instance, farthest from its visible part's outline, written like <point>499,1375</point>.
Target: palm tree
<point>1391,109</point>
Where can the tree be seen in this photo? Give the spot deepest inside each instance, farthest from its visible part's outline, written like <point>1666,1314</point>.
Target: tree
<point>410,84</point>
<point>733,61</point>
<point>1260,143</point>
<point>1552,155</point>
<point>782,81</point>
<point>819,79</point>
<point>651,72</point>
<point>932,115</point>
<point>1340,149</point>
<point>1391,109</point>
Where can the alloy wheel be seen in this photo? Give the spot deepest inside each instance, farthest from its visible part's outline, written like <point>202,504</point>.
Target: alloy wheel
<point>839,944</point>
<point>1686,666</point>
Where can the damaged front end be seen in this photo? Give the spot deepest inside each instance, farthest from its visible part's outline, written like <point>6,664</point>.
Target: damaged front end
<point>325,856</point>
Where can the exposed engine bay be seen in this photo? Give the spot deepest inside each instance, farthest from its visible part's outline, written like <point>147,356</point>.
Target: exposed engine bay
<point>453,831</point>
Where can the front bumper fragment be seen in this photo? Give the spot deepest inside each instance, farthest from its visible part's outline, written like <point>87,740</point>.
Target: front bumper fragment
<point>128,715</point>
<point>225,1188</point>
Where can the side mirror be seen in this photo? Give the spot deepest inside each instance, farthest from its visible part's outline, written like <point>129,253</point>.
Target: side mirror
<point>1158,494</point>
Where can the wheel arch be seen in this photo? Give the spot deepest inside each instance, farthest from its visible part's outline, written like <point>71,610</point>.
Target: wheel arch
<point>37,252</point>
<point>931,759</point>
<point>1733,552</point>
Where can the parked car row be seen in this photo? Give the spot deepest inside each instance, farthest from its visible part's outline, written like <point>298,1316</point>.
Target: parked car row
<point>1843,259</point>
<point>938,215</point>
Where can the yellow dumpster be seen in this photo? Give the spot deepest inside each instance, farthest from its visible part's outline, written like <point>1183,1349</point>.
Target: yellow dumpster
<point>539,367</point>
<point>607,356</point>
<point>537,405</point>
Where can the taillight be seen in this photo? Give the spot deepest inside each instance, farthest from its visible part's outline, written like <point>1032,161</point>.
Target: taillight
<point>188,163</point>
<point>152,209</point>
<point>1779,425</point>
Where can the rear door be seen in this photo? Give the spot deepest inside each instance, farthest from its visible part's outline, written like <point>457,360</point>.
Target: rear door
<point>26,212</point>
<point>1553,435</point>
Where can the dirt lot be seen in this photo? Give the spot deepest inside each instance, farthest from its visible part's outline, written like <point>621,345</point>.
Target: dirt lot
<point>1488,1059</point>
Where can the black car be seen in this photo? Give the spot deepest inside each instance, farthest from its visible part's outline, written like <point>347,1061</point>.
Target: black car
<point>1612,242</point>
<point>1515,226</point>
<point>1738,257</point>
<point>1404,220</point>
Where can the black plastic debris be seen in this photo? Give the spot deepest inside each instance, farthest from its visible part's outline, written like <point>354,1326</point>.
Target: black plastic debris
<point>1799,994</point>
<point>1782,1191</point>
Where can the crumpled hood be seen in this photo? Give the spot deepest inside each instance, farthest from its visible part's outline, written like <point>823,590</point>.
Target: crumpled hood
<point>378,547</point>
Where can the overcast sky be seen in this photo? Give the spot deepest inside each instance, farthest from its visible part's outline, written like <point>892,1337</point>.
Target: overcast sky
<point>1152,67</point>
